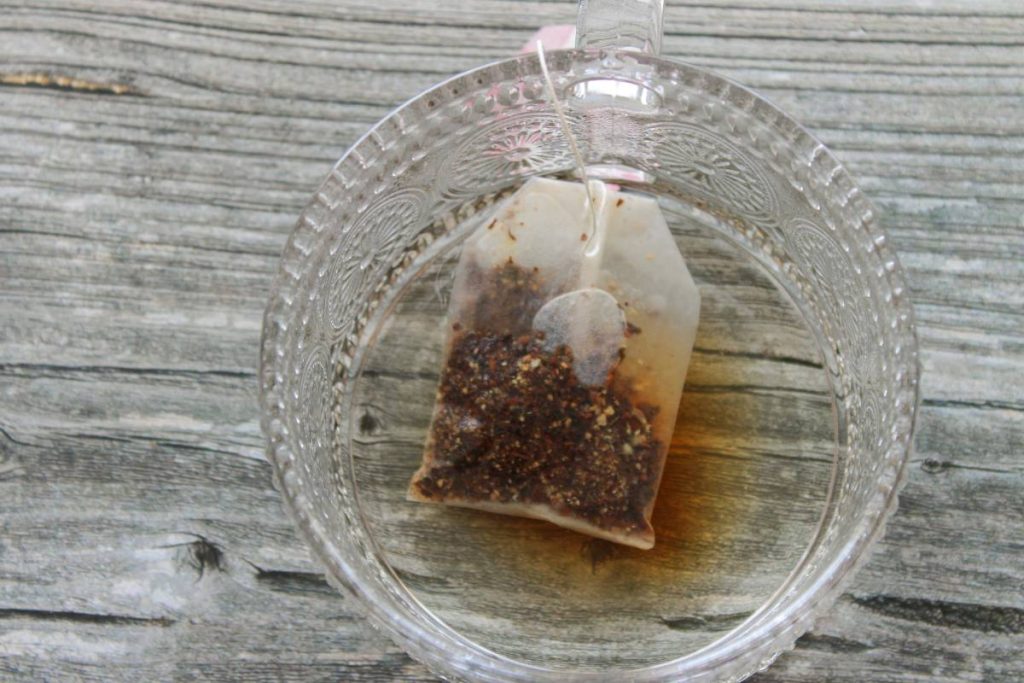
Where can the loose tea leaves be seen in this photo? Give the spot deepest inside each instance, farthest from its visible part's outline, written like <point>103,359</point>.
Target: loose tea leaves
<point>565,363</point>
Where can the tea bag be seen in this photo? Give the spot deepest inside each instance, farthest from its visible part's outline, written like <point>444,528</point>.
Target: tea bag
<point>571,323</point>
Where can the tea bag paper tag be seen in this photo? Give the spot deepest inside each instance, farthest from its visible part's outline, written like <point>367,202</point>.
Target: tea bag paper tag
<point>590,322</point>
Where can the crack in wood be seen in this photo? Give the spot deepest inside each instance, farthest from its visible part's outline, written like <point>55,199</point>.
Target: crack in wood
<point>836,644</point>
<point>288,581</point>
<point>705,622</point>
<point>958,615</point>
<point>65,83</point>
<point>789,360</point>
<point>423,581</point>
<point>7,435</point>
<point>167,443</point>
<point>935,466</point>
<point>981,404</point>
<point>95,239</point>
<point>400,374</point>
<point>84,617</point>
<point>126,370</point>
<point>754,389</point>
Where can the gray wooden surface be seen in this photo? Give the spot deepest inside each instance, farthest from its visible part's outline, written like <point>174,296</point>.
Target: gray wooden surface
<point>153,157</point>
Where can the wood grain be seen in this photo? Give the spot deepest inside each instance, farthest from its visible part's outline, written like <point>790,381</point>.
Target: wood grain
<point>153,158</point>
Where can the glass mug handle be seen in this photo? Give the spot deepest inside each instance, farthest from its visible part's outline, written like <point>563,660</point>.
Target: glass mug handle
<point>623,24</point>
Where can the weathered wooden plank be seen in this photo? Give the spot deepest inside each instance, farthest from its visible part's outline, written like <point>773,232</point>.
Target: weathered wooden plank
<point>151,166</point>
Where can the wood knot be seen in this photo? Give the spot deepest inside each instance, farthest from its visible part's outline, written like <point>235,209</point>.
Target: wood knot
<point>597,551</point>
<point>368,424</point>
<point>204,555</point>
<point>933,466</point>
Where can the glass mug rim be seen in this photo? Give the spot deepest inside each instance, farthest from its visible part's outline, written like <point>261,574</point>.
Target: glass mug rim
<point>448,652</point>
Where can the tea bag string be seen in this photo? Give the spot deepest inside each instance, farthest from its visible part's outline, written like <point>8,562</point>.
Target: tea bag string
<point>563,121</point>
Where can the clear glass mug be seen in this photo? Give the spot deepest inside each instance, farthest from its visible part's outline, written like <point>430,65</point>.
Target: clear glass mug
<point>351,348</point>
